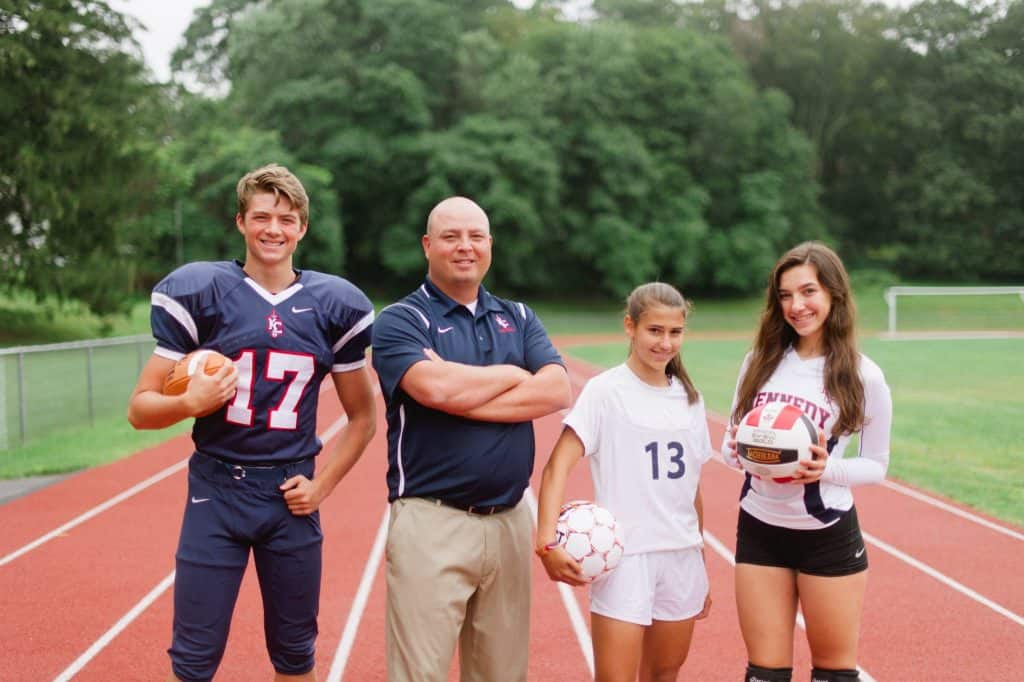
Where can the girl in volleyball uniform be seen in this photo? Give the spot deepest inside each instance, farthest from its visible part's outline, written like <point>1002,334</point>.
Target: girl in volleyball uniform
<point>821,503</point>
<point>799,541</point>
<point>643,427</point>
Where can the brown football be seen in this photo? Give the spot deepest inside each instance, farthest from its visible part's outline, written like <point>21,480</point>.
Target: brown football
<point>177,379</point>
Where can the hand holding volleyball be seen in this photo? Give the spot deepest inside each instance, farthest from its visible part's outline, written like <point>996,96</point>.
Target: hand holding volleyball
<point>780,442</point>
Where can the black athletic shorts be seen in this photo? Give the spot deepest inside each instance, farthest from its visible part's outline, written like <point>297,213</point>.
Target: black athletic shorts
<point>836,550</point>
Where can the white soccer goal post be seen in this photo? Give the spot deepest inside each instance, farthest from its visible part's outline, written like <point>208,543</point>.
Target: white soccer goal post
<point>892,293</point>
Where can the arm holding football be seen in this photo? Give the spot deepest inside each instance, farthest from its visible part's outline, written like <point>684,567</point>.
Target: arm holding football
<point>149,408</point>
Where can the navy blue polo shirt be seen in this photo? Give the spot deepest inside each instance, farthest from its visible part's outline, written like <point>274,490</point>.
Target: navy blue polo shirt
<point>435,454</point>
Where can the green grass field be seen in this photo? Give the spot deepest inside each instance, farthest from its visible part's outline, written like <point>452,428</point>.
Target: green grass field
<point>957,406</point>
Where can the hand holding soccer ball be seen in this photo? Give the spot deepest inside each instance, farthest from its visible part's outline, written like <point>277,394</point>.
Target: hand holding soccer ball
<point>588,544</point>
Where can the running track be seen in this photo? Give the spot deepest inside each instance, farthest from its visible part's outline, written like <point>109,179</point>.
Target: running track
<point>86,567</point>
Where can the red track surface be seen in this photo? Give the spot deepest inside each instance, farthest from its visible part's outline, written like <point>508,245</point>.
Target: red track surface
<point>59,599</point>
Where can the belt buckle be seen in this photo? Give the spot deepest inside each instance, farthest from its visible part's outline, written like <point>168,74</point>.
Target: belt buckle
<point>238,472</point>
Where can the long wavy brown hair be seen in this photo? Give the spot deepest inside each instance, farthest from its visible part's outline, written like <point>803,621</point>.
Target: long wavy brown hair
<point>774,336</point>
<point>651,294</point>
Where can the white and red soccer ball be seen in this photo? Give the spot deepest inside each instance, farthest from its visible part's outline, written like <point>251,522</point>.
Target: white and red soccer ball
<point>772,440</point>
<point>591,536</point>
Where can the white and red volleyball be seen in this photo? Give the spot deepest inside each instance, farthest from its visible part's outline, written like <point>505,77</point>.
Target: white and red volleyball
<point>772,440</point>
<point>591,536</point>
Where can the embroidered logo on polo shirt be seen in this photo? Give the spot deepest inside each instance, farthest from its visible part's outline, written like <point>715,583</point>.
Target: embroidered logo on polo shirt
<point>504,326</point>
<point>274,325</point>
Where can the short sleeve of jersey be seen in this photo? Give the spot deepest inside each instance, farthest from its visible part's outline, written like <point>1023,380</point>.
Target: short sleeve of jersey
<point>399,337</point>
<point>585,416</point>
<point>704,435</point>
<point>177,303</point>
<point>538,350</point>
<point>351,325</point>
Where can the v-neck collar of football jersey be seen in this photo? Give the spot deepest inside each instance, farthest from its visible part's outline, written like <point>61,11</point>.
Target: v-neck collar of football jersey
<point>272,299</point>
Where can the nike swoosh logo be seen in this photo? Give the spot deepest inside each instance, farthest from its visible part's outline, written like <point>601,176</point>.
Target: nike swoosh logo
<point>444,330</point>
<point>197,500</point>
<point>300,310</point>
<point>858,554</point>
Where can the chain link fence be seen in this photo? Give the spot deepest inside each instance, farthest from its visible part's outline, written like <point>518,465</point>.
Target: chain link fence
<point>54,386</point>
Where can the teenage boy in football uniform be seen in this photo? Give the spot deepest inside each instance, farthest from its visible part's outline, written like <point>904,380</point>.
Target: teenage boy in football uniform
<point>251,477</point>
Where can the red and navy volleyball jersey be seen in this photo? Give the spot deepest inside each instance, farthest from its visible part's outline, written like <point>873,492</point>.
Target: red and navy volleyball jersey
<point>283,345</point>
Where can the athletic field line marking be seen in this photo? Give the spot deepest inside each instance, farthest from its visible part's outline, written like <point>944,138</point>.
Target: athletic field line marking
<point>146,601</point>
<point>98,509</point>
<point>134,490</point>
<point>927,499</point>
<point>114,631</point>
<point>355,615</point>
<point>572,607</point>
<point>723,551</point>
<point>944,579</point>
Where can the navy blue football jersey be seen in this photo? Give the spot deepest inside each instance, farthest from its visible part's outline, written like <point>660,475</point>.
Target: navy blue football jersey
<point>283,344</point>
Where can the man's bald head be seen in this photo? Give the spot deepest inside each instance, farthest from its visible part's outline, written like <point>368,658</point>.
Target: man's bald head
<point>455,211</point>
<point>457,246</point>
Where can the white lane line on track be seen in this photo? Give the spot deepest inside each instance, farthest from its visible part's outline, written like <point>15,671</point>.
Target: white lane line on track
<point>723,551</point>
<point>355,615</point>
<point>145,602</point>
<point>944,579</point>
<point>113,632</point>
<point>135,489</point>
<point>572,607</point>
<point>98,509</point>
<point>917,495</point>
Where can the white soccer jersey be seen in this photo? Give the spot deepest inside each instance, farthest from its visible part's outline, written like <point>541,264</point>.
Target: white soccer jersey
<point>646,446</point>
<point>817,505</point>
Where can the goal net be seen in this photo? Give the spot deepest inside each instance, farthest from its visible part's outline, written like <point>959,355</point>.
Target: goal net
<point>955,309</point>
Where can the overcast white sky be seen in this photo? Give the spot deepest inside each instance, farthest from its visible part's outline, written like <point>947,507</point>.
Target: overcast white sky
<point>166,20</point>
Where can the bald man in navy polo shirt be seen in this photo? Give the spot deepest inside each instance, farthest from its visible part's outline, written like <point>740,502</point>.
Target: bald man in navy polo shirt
<point>463,374</point>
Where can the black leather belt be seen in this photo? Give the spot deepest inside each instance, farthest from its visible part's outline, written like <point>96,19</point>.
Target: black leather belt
<point>482,510</point>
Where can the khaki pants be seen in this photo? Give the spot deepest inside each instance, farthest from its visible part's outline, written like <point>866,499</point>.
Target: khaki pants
<point>457,577</point>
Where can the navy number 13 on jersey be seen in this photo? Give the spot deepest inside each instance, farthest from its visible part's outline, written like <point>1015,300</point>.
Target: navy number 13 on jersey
<point>677,467</point>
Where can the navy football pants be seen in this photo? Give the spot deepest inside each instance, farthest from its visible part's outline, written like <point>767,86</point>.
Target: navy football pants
<point>228,512</point>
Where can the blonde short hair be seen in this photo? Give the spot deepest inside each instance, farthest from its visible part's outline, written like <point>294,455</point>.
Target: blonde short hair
<point>277,180</point>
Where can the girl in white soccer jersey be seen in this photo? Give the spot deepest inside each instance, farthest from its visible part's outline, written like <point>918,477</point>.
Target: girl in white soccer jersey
<point>799,541</point>
<point>643,427</point>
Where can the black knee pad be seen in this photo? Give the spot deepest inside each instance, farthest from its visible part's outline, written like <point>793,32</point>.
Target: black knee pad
<point>845,675</point>
<point>756,673</point>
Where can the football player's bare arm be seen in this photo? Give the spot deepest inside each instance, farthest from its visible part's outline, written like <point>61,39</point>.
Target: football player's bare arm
<point>455,388</point>
<point>355,390</point>
<point>566,454</point>
<point>543,393</point>
<point>149,408</point>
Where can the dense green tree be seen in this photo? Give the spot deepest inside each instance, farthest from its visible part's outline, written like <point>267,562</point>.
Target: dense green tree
<point>78,143</point>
